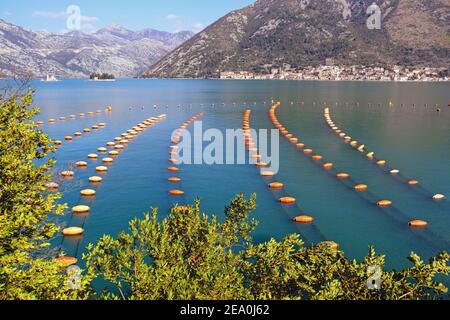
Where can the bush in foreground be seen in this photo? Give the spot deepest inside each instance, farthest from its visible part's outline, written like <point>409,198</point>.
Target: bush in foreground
<point>190,255</point>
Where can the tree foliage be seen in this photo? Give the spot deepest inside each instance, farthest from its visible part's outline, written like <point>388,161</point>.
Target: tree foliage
<point>191,255</point>
<point>26,272</point>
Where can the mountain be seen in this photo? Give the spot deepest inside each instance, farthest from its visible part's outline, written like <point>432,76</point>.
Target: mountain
<point>272,33</point>
<point>113,49</point>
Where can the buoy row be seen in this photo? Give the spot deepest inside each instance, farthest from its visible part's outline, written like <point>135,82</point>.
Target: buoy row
<point>89,193</point>
<point>79,134</point>
<point>308,151</point>
<point>172,153</point>
<point>286,200</point>
<point>370,155</point>
<point>108,109</point>
<point>384,203</point>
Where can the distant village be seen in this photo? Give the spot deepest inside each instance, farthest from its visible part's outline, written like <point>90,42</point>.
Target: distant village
<point>333,72</point>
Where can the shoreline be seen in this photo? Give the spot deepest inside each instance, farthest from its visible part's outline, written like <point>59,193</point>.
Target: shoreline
<point>219,79</point>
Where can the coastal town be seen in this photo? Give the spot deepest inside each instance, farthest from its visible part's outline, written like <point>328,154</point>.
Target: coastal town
<point>336,73</point>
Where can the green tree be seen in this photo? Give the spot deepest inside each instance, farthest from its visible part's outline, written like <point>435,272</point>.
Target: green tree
<point>191,255</point>
<point>26,271</point>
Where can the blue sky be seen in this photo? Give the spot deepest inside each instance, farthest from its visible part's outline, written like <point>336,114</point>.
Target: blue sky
<point>167,15</point>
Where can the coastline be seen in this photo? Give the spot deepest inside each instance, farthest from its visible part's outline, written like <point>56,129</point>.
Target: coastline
<point>243,79</point>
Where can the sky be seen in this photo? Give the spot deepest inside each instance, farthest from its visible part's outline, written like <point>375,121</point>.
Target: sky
<point>166,15</point>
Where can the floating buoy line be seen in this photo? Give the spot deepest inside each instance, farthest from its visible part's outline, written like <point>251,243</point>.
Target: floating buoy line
<point>371,156</point>
<point>289,204</point>
<point>173,169</point>
<point>62,119</point>
<point>79,134</point>
<point>88,195</point>
<point>362,189</point>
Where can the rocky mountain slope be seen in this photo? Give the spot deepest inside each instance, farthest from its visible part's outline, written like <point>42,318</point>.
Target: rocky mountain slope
<point>113,49</point>
<point>306,32</point>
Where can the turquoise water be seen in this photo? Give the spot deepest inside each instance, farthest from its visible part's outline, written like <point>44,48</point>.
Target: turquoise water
<point>413,138</point>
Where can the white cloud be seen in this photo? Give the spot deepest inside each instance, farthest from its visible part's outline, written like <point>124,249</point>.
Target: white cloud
<point>87,22</point>
<point>50,14</point>
<point>7,13</point>
<point>198,26</point>
<point>180,24</point>
<point>172,16</point>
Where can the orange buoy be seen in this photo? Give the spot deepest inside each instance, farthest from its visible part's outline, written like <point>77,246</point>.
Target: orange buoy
<point>107,160</point>
<point>361,187</point>
<point>267,173</point>
<point>73,231</point>
<point>88,193</point>
<point>304,219</point>
<point>174,179</point>
<point>67,261</point>
<point>102,124</point>
<point>331,244</point>
<point>113,153</point>
<point>119,146</point>
<point>51,185</point>
<point>95,179</point>
<point>287,200</point>
<point>81,209</point>
<point>381,162</point>
<point>40,123</point>
<point>110,144</point>
<point>413,182</point>
<point>51,120</point>
<point>102,149</point>
<point>176,192</point>
<point>86,130</point>
<point>384,203</point>
<point>317,157</point>
<point>101,169</point>
<point>276,185</point>
<point>307,151</point>
<point>67,173</point>
<point>328,166</point>
<point>92,156</point>
<point>418,223</point>
<point>395,171</point>
<point>261,164</point>
<point>174,169</point>
<point>342,175</point>
<point>68,138</point>
<point>77,134</point>
<point>438,196</point>
<point>81,164</point>
<point>117,139</point>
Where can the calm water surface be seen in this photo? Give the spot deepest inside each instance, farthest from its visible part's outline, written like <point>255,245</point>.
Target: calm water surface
<point>410,134</point>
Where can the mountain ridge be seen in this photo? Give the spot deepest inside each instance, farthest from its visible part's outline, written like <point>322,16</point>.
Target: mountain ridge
<point>308,32</point>
<point>113,49</point>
